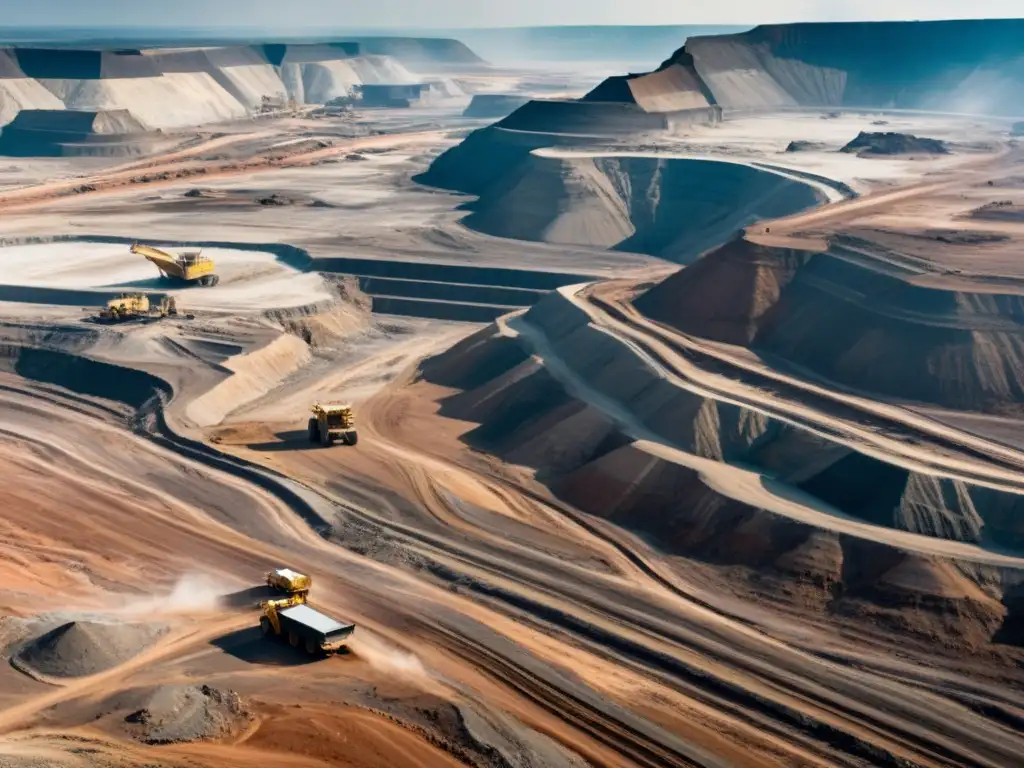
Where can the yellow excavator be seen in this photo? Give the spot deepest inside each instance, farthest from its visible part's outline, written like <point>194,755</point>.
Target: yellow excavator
<point>189,267</point>
<point>137,306</point>
<point>289,616</point>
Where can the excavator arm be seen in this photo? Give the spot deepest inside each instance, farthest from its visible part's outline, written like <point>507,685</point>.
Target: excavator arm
<point>270,608</point>
<point>165,262</point>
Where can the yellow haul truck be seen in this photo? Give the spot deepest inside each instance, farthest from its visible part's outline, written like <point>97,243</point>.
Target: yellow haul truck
<point>291,617</point>
<point>332,421</point>
<point>190,267</point>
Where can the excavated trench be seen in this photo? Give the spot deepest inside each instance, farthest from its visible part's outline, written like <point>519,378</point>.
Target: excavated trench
<point>538,188</point>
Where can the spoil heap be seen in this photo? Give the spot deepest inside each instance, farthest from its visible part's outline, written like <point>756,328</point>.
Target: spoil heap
<point>867,144</point>
<point>82,648</point>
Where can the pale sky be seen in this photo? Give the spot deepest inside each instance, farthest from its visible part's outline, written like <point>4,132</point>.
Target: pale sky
<point>340,14</point>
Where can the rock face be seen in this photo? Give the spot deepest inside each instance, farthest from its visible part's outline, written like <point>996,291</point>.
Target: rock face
<point>949,66</point>
<point>494,105</point>
<point>670,491</point>
<point>948,346</point>
<point>805,146</point>
<point>171,88</point>
<point>894,144</point>
<point>59,132</point>
<point>673,208</point>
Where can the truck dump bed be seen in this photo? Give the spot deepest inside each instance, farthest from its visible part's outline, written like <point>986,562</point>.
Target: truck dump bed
<point>309,621</point>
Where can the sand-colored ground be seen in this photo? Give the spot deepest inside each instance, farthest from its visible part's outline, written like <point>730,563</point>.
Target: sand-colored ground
<point>581,535</point>
<point>248,279</point>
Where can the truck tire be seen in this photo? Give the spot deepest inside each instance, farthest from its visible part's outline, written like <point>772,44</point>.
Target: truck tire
<point>326,439</point>
<point>311,647</point>
<point>266,627</point>
<point>351,438</point>
<point>293,639</point>
<point>314,431</point>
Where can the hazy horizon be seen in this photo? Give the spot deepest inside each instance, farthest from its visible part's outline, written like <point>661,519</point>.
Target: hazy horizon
<point>330,15</point>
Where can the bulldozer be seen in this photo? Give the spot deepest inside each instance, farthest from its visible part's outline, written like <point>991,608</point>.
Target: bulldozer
<point>290,616</point>
<point>330,422</point>
<point>137,306</point>
<point>189,267</point>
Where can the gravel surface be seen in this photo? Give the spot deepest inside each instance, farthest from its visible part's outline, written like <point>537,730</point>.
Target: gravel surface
<point>183,713</point>
<point>81,648</point>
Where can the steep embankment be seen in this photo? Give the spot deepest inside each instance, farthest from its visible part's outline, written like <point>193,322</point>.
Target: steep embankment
<point>170,88</point>
<point>860,326</point>
<point>673,208</point>
<point>951,67</point>
<point>670,207</point>
<point>832,531</point>
<point>18,91</point>
<point>59,132</point>
<point>971,66</point>
<point>422,54</point>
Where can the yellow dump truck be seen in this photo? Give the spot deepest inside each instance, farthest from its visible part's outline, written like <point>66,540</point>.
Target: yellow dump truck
<point>291,618</point>
<point>332,421</point>
<point>189,267</point>
<point>137,306</point>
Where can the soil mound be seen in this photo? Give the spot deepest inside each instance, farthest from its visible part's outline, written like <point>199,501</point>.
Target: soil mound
<point>805,146</point>
<point>894,144</point>
<point>82,648</point>
<point>184,713</point>
<point>999,210</point>
<point>494,105</point>
<point>948,66</point>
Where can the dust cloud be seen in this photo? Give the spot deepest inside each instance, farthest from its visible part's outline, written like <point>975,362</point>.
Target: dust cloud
<point>192,592</point>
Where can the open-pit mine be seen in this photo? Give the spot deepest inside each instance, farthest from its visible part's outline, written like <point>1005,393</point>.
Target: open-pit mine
<point>661,419</point>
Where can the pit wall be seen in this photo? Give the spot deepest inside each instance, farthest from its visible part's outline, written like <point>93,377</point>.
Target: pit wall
<point>528,415</point>
<point>176,89</point>
<point>844,479</point>
<point>674,208</point>
<point>957,67</point>
<point>831,312</point>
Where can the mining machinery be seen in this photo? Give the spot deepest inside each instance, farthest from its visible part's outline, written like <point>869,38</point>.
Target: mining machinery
<point>290,616</point>
<point>330,422</point>
<point>188,267</point>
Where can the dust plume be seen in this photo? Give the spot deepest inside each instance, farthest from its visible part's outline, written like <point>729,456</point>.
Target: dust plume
<point>192,592</point>
<point>389,660</point>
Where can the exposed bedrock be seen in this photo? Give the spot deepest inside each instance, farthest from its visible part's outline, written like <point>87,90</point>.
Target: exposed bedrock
<point>842,478</point>
<point>494,105</point>
<point>670,207</point>
<point>56,133</point>
<point>527,417</point>
<point>173,88</point>
<point>967,66</point>
<point>858,326</point>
